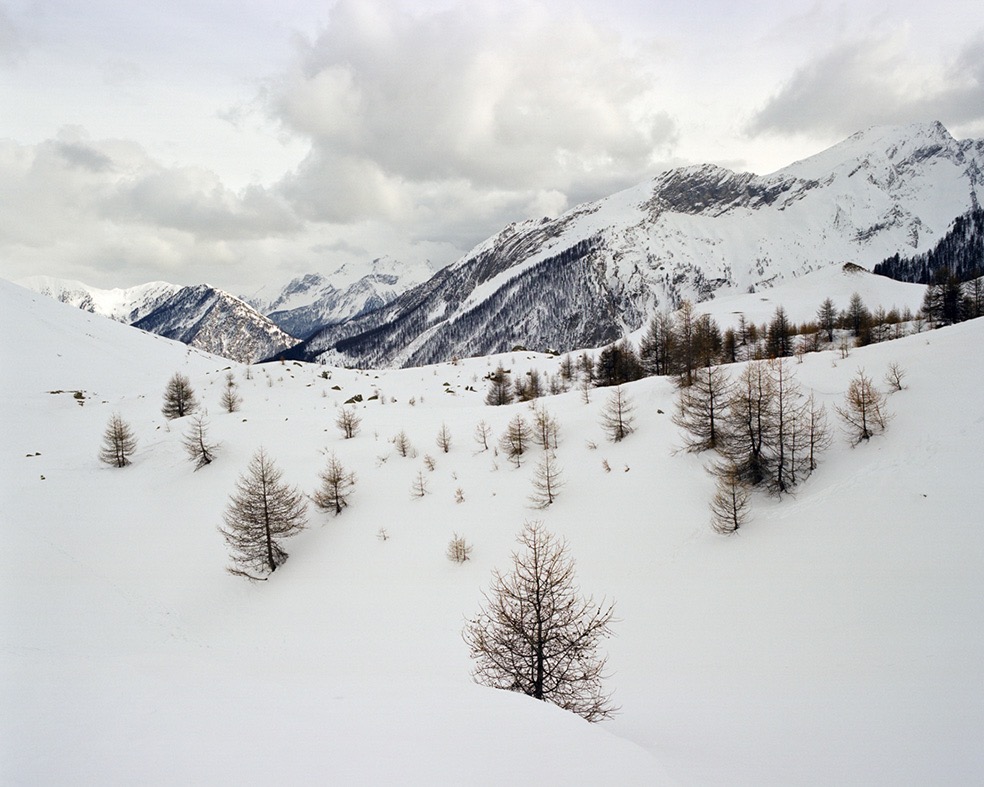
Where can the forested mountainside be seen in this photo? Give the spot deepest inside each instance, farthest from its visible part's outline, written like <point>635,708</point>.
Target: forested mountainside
<point>959,253</point>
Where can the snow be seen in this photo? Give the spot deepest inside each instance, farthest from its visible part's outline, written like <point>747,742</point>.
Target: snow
<point>801,297</point>
<point>835,639</point>
<point>124,304</point>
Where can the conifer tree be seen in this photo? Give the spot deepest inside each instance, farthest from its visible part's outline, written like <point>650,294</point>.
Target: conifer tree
<point>516,439</point>
<point>337,485</point>
<point>444,438</point>
<point>119,443</point>
<point>200,450</point>
<point>179,397</point>
<point>230,400</point>
<point>348,421</point>
<point>730,504</point>
<point>864,411</point>
<point>537,635</point>
<point>546,480</point>
<point>751,425</point>
<point>656,350</point>
<point>616,417</point>
<point>263,510</point>
<point>482,434</point>
<point>701,408</point>
<point>545,428</point>
<point>499,390</point>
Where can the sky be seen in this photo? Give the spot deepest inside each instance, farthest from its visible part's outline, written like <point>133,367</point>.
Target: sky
<point>245,142</point>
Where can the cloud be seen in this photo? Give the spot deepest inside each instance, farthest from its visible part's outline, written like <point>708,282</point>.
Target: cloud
<point>108,206</point>
<point>12,47</point>
<point>860,83</point>
<point>79,154</point>
<point>504,98</point>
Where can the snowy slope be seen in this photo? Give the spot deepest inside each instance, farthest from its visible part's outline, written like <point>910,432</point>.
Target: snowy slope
<point>201,316</point>
<point>597,272</point>
<point>801,297</point>
<point>836,639</point>
<point>127,304</point>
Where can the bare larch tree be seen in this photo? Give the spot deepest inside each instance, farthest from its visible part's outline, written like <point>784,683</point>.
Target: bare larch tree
<point>730,504</point>
<point>537,635</point>
<point>179,397</point>
<point>546,480</point>
<point>444,438</point>
<point>119,442</point>
<point>200,450</point>
<point>348,422</point>
<point>516,439</point>
<point>263,510</point>
<point>616,417</point>
<point>701,407</point>
<point>864,411</point>
<point>337,484</point>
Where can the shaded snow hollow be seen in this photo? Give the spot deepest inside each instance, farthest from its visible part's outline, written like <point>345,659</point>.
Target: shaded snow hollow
<point>836,639</point>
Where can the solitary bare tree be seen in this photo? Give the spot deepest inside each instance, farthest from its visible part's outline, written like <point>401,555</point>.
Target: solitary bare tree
<point>616,417</point>
<point>864,411</point>
<point>729,506</point>
<point>537,635</point>
<point>118,442</point>
<point>419,487</point>
<point>546,480</point>
<point>482,434</point>
<point>444,438</point>
<point>516,439</point>
<point>262,510</point>
<point>179,397</point>
<point>200,449</point>
<point>337,484</point>
<point>402,444</point>
<point>459,550</point>
<point>894,376</point>
<point>546,429</point>
<point>348,422</point>
<point>230,400</point>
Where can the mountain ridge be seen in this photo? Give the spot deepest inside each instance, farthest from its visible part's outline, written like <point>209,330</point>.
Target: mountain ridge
<point>690,232</point>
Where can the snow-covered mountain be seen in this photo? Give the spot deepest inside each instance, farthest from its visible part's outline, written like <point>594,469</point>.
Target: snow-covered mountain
<point>596,272</point>
<point>127,304</point>
<point>217,322</point>
<point>313,301</point>
<point>201,316</point>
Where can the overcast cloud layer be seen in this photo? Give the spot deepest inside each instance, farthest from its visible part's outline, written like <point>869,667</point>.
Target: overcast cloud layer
<point>243,144</point>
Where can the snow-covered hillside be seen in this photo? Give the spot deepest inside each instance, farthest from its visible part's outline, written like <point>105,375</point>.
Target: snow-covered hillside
<point>597,271</point>
<point>801,297</point>
<point>835,639</point>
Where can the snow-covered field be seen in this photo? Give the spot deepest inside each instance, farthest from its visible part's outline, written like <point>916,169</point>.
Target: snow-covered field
<point>835,639</point>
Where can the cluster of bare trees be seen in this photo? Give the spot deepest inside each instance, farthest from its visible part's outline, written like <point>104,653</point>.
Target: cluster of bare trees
<point>766,431</point>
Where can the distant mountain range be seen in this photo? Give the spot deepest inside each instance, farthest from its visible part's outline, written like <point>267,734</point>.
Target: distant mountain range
<point>200,316</point>
<point>262,327</point>
<point>313,301</point>
<point>598,271</point>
